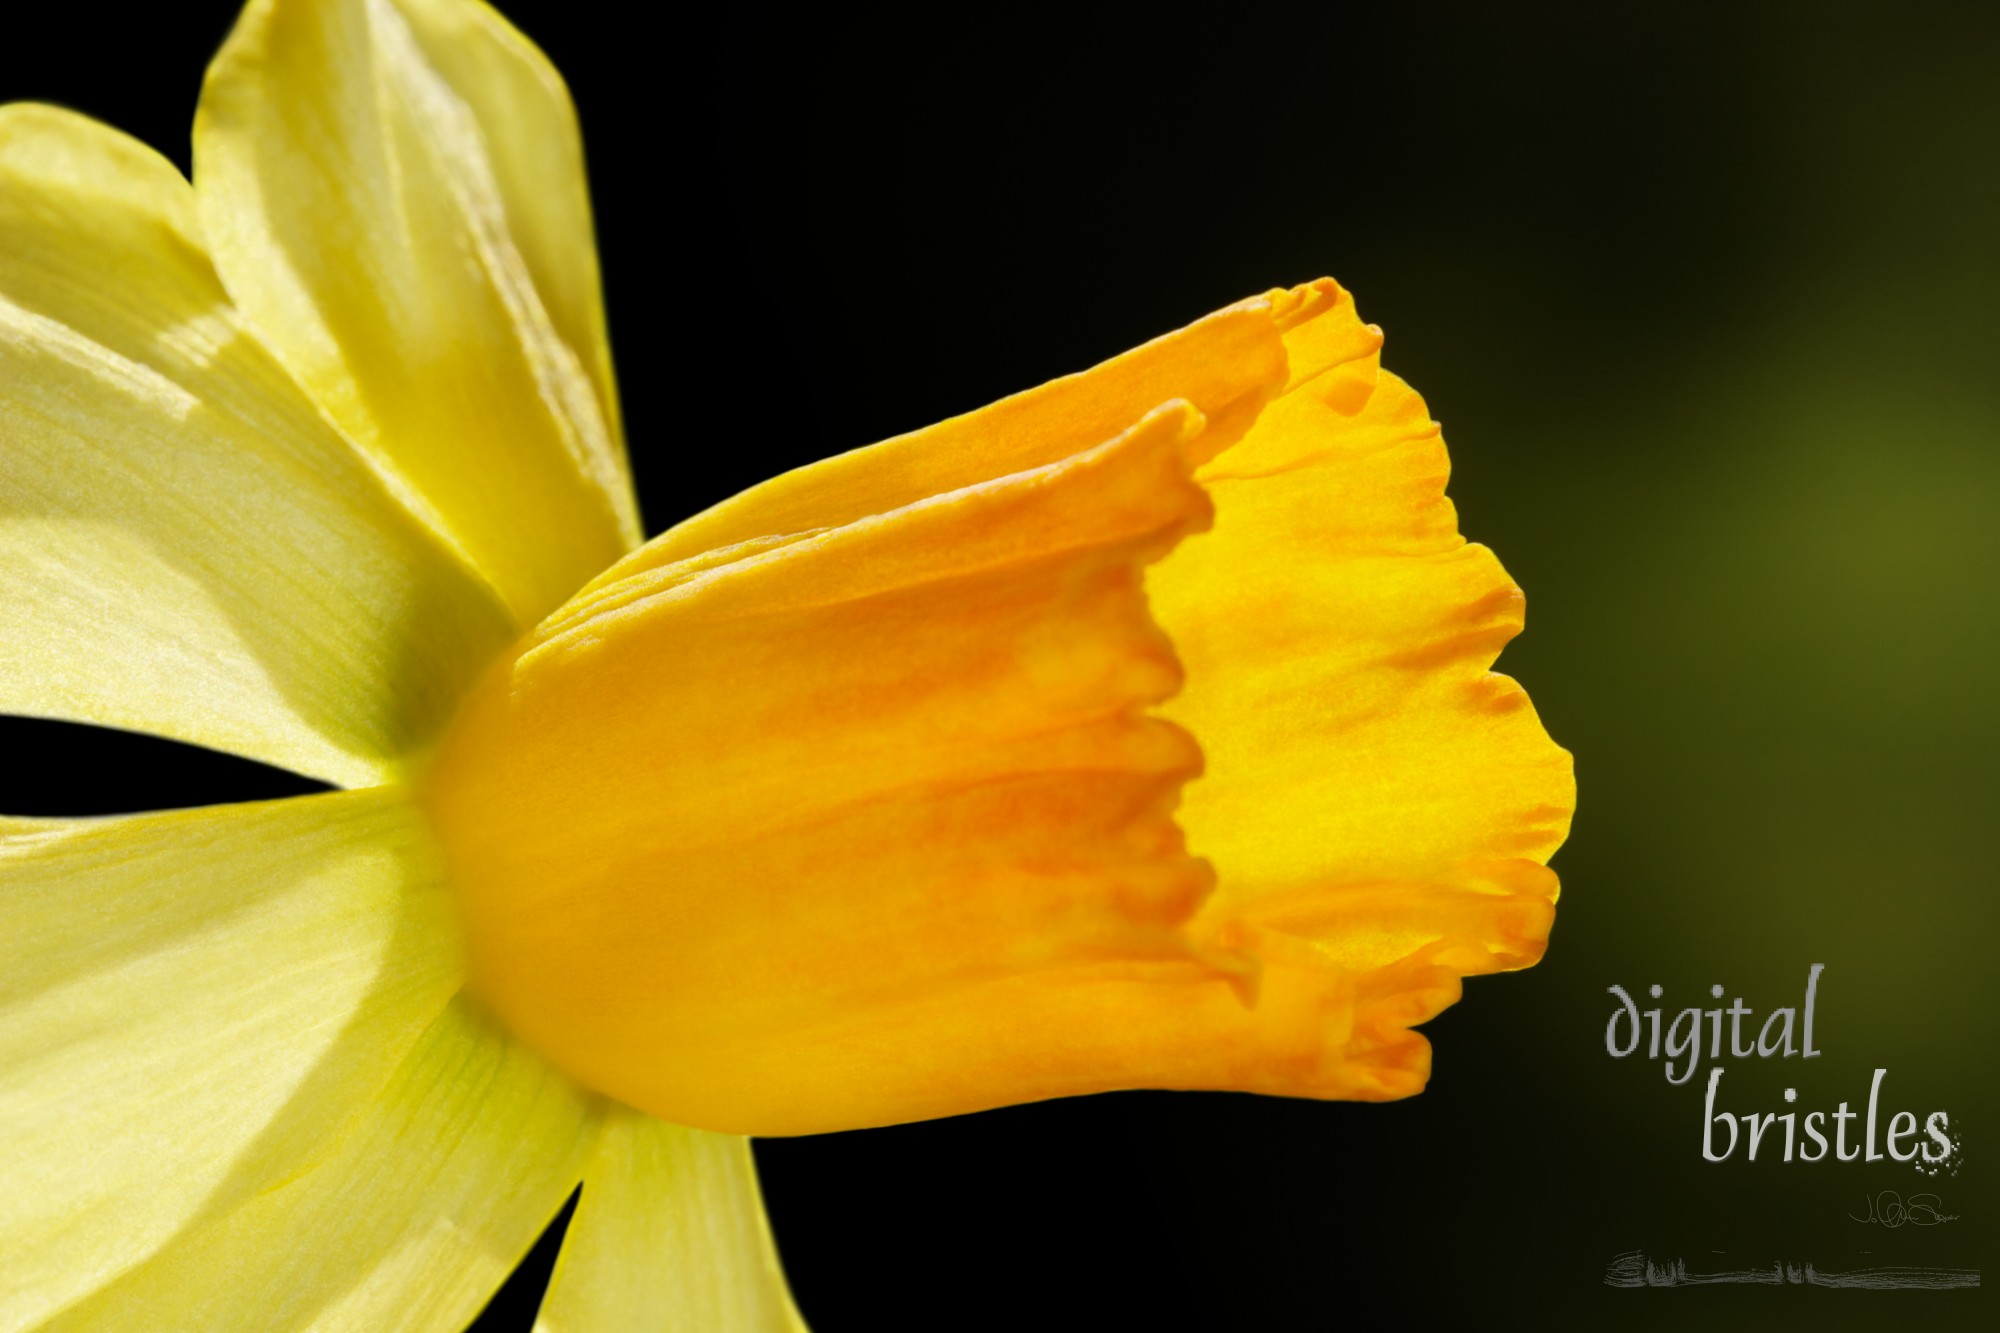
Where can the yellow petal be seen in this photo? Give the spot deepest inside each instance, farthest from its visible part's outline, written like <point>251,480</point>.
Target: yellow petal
<point>411,1222</point>
<point>1371,786</point>
<point>394,193</point>
<point>669,1237</point>
<point>185,546</point>
<point>192,1005</point>
<point>742,841</point>
<point>1224,366</point>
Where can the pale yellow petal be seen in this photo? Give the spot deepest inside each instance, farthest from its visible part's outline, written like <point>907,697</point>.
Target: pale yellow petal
<point>669,1237</point>
<point>394,192</point>
<point>186,546</point>
<point>410,1223</point>
<point>192,1007</point>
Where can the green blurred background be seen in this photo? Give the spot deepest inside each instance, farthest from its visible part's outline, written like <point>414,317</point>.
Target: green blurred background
<point>1708,300</point>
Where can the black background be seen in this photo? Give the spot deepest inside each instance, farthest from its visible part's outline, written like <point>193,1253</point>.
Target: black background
<point>1650,264</point>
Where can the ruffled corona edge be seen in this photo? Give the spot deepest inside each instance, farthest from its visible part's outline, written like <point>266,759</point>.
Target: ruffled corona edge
<point>1379,805</point>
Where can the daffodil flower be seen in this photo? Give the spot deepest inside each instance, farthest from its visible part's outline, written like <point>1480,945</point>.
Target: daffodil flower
<point>963,770</point>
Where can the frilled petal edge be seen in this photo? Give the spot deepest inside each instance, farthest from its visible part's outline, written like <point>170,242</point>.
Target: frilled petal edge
<point>1373,791</point>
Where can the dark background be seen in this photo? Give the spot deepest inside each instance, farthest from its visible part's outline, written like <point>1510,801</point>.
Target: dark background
<point>1708,300</point>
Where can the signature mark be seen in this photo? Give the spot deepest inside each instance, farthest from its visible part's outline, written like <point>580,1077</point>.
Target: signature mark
<point>1889,1209</point>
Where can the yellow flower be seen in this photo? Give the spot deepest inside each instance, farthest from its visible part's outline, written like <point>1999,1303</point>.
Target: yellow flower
<point>857,799</point>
